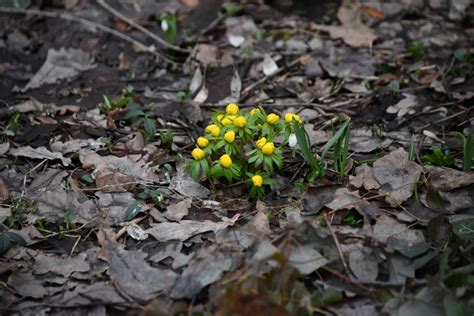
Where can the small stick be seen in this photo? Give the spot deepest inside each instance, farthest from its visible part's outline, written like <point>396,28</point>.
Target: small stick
<point>160,41</point>
<point>123,230</point>
<point>338,246</point>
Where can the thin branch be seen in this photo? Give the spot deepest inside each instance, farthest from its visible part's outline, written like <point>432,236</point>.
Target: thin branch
<point>159,40</point>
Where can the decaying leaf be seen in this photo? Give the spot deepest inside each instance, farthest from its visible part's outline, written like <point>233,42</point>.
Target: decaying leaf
<point>186,229</point>
<point>175,212</point>
<point>39,153</point>
<point>60,64</point>
<point>131,272</point>
<point>397,175</point>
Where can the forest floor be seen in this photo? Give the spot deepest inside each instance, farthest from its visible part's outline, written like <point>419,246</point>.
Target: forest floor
<point>100,113</point>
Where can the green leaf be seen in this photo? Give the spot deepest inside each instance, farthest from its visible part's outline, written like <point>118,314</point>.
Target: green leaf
<point>464,228</point>
<point>415,250</point>
<point>334,139</point>
<point>133,210</point>
<point>15,238</point>
<point>149,125</point>
<point>5,243</point>
<point>453,307</point>
<point>132,114</point>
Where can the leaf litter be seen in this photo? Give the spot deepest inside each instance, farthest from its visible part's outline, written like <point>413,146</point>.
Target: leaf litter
<point>99,216</point>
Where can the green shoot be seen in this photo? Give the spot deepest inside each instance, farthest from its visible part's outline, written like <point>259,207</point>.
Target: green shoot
<point>468,151</point>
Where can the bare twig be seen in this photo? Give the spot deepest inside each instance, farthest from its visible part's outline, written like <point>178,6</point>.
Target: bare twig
<point>338,246</point>
<point>123,230</point>
<point>159,40</point>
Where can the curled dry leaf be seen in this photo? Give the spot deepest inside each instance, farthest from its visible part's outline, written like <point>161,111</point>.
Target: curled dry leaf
<point>109,180</point>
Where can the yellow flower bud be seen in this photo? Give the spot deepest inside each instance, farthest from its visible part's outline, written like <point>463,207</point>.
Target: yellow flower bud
<point>268,148</point>
<point>257,180</point>
<point>261,142</point>
<point>290,116</point>
<point>226,121</point>
<point>231,117</point>
<point>232,109</point>
<point>240,121</point>
<point>229,136</point>
<point>225,161</point>
<point>202,142</point>
<point>219,117</point>
<point>214,130</point>
<point>198,153</point>
<point>254,111</point>
<point>272,118</point>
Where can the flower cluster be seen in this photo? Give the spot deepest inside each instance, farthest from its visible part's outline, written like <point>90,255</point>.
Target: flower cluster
<point>241,145</point>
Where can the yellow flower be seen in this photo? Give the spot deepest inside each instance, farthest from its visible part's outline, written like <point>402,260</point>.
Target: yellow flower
<point>268,148</point>
<point>214,130</point>
<point>232,109</point>
<point>240,121</point>
<point>231,117</point>
<point>257,180</point>
<point>272,118</point>
<point>290,116</point>
<point>229,136</point>
<point>261,142</point>
<point>254,111</point>
<point>197,153</point>
<point>226,121</point>
<point>225,161</point>
<point>202,142</point>
<point>219,117</point>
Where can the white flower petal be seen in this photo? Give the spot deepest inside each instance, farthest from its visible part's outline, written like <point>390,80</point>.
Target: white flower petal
<point>292,140</point>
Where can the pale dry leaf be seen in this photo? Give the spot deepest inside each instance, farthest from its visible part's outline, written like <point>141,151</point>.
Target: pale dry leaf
<point>196,81</point>
<point>136,232</point>
<point>306,259</point>
<point>108,180</point>
<point>363,264</point>
<point>131,272</point>
<point>364,177</point>
<point>397,175</point>
<point>175,212</point>
<point>39,153</point>
<point>343,199</point>
<point>60,64</point>
<point>64,266</point>
<point>186,229</point>
<point>447,179</point>
<point>269,66</point>
<point>259,225</point>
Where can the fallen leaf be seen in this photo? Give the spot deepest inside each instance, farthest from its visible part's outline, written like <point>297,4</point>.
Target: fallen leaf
<point>306,259</point>
<point>63,266</point>
<point>131,272</point>
<point>175,212</point>
<point>39,153</point>
<point>403,106</point>
<point>352,31</point>
<point>269,66</point>
<point>136,232</point>
<point>60,64</point>
<point>364,177</point>
<point>107,180</point>
<point>343,199</point>
<point>186,229</point>
<point>447,179</point>
<point>259,225</point>
<point>397,175</point>
<point>363,264</point>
